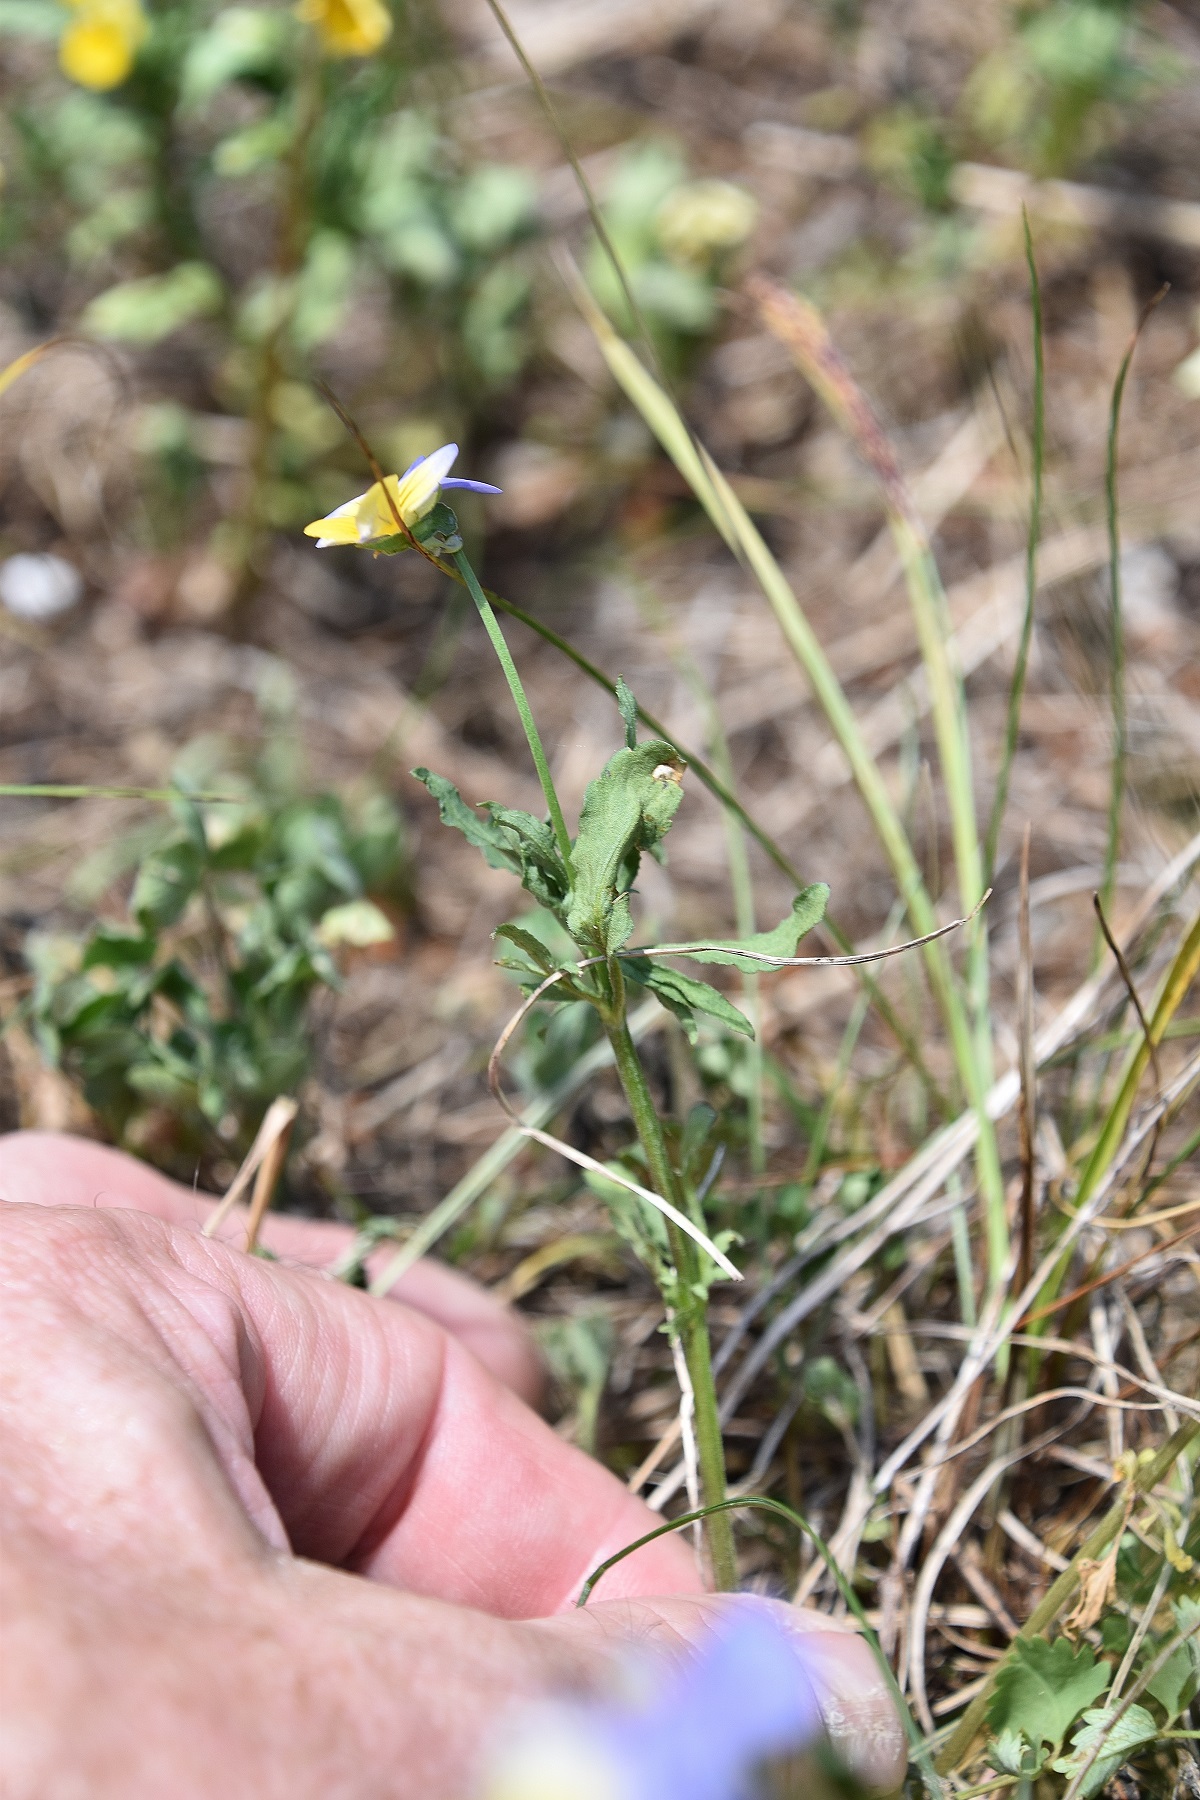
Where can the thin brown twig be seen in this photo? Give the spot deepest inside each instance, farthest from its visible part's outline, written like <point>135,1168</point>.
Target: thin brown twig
<point>1131,990</point>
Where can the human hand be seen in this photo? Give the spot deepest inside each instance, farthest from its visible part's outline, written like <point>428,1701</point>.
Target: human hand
<point>206,1452</point>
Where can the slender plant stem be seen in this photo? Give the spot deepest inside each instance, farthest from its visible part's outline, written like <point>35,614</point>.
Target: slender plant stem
<point>690,1310</point>
<point>725,796</point>
<point>492,626</point>
<point>1017,687</point>
<point>1116,635</point>
<point>1116,625</point>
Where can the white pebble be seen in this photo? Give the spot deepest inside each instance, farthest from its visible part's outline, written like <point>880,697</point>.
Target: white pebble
<point>39,587</point>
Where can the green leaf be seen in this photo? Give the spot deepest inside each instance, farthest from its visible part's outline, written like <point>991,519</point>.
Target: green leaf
<point>1011,1753</point>
<point>808,909</point>
<point>628,706</point>
<point>542,870</point>
<point>358,923</point>
<point>685,996</point>
<point>494,845</point>
<point>112,947</point>
<point>640,1224</point>
<point>151,308</point>
<point>1177,1682</point>
<point>534,949</point>
<point>835,1392</point>
<point>696,1132</point>
<point>1044,1688</point>
<point>627,809</point>
<point>240,41</point>
<point>165,883</point>
<point>1132,1729</point>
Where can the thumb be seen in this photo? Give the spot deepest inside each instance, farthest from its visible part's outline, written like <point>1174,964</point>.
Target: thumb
<point>857,1708</point>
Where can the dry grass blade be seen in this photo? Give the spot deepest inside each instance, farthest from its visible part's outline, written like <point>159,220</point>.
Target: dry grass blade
<point>579,1157</point>
<point>264,1160</point>
<point>494,1161</point>
<point>1144,1482</point>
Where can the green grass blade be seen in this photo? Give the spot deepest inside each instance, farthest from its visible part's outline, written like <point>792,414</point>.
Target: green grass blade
<point>1183,971</point>
<point>798,325</point>
<point>52,791</point>
<point>735,526</point>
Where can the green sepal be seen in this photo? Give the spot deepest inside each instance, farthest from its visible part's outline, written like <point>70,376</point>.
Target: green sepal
<point>684,995</point>
<point>437,531</point>
<point>808,909</point>
<point>627,809</point>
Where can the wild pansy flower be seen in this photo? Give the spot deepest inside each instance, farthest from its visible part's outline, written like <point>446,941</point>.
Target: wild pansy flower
<point>99,45</point>
<point>745,1698</point>
<point>347,27</point>
<point>368,518</point>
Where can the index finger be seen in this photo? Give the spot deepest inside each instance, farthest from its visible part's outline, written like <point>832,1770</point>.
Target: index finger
<point>49,1168</point>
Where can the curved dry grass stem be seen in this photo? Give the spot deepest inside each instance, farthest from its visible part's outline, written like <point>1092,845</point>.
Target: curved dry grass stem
<point>580,1157</point>
<point>803,962</point>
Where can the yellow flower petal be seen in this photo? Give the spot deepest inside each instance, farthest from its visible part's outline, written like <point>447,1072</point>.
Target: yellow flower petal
<point>368,516</point>
<point>97,49</point>
<point>348,27</point>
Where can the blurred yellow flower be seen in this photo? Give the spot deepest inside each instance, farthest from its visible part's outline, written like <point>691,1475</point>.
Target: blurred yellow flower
<point>99,45</point>
<point>348,27</point>
<point>701,220</point>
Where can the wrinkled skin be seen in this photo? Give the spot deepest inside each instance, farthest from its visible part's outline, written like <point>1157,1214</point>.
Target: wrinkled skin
<point>267,1536</point>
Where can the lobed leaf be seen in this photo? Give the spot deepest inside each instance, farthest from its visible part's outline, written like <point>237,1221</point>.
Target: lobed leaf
<point>1129,1732</point>
<point>1044,1688</point>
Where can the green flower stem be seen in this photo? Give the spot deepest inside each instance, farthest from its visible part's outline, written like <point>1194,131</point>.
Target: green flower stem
<point>690,1309</point>
<point>492,626</point>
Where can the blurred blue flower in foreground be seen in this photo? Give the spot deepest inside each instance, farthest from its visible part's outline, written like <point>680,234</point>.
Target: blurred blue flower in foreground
<point>744,1698</point>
